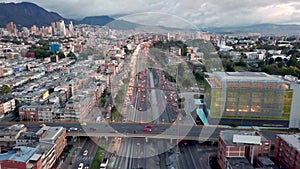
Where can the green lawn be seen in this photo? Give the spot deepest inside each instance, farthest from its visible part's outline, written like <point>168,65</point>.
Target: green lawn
<point>98,157</point>
<point>239,68</point>
<point>116,116</point>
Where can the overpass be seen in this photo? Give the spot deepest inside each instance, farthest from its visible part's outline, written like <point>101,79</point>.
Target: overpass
<point>131,129</point>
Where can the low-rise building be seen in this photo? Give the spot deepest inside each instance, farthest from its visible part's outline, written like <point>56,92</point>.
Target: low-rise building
<point>27,139</point>
<point>239,144</point>
<point>46,112</point>
<point>7,104</point>
<point>29,112</point>
<point>55,136</point>
<point>18,158</point>
<point>238,163</point>
<point>287,151</point>
<point>9,136</point>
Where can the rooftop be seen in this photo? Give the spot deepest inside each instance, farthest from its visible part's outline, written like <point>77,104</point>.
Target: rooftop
<point>293,140</point>
<point>52,133</point>
<point>13,130</point>
<point>247,76</point>
<point>21,154</point>
<point>4,99</point>
<point>266,162</point>
<point>239,162</point>
<point>28,135</point>
<point>35,157</point>
<point>44,148</point>
<point>228,137</point>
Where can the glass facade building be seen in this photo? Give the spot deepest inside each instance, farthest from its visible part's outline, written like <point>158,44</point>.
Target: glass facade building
<point>253,95</point>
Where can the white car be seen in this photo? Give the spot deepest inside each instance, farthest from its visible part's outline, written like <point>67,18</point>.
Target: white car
<point>73,129</point>
<point>85,153</point>
<point>80,166</point>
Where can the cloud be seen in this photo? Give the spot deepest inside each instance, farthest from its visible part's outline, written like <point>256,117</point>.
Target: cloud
<point>200,12</point>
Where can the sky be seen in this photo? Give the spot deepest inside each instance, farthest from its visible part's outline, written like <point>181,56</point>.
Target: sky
<point>200,13</point>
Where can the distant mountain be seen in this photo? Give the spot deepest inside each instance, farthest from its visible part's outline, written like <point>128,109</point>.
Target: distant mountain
<point>96,20</point>
<point>265,29</point>
<point>26,14</point>
<point>108,21</point>
<point>123,25</point>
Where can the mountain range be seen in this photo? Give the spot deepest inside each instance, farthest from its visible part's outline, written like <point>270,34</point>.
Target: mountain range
<point>265,29</point>
<point>29,14</point>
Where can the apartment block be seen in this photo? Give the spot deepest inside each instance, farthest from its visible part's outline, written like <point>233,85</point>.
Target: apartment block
<point>287,151</point>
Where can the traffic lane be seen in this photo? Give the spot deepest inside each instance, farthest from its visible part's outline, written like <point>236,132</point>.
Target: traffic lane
<point>78,157</point>
<point>92,150</point>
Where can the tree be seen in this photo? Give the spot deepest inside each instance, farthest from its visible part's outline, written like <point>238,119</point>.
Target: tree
<point>278,59</point>
<point>61,55</point>
<point>4,90</point>
<point>71,54</point>
<point>292,61</point>
<point>103,101</point>
<point>228,65</point>
<point>271,61</point>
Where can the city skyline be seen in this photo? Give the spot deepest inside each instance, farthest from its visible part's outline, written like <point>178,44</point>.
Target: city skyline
<point>199,13</point>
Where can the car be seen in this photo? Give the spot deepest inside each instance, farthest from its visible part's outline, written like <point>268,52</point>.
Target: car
<point>83,123</point>
<point>85,153</point>
<point>149,126</point>
<point>147,129</point>
<point>104,163</point>
<point>80,166</point>
<point>73,129</point>
<point>42,125</point>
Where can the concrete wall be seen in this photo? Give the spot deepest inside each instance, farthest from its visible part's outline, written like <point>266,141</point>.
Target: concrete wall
<point>295,110</point>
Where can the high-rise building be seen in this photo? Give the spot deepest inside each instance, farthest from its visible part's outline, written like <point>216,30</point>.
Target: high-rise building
<point>287,151</point>
<point>53,28</point>
<point>71,28</point>
<point>61,28</point>
<point>250,95</point>
<point>10,27</point>
<point>34,30</point>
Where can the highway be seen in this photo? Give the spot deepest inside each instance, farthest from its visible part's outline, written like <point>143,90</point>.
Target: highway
<point>130,145</point>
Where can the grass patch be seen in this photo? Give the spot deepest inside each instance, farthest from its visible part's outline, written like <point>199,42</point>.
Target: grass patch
<point>98,157</point>
<point>116,116</point>
<point>239,68</point>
